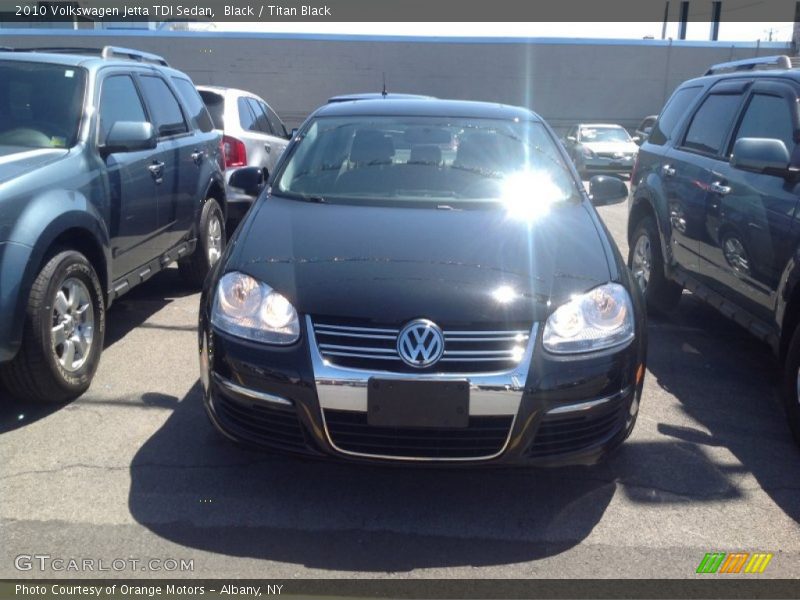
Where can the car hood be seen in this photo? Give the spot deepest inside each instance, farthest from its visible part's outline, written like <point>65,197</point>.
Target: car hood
<point>392,264</point>
<point>19,160</point>
<point>626,147</point>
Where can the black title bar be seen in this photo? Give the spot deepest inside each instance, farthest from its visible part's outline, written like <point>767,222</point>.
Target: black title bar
<point>87,11</point>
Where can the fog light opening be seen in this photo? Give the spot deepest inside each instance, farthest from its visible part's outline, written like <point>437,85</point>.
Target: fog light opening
<point>205,377</point>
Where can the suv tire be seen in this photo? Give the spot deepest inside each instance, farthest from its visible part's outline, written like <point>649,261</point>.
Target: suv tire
<point>64,329</point>
<point>647,265</point>
<point>790,391</point>
<point>210,245</point>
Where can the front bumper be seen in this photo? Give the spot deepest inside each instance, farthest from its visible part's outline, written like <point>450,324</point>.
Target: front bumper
<point>567,411</point>
<point>602,164</point>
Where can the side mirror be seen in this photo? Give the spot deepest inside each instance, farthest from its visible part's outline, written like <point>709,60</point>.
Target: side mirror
<point>248,179</point>
<point>294,133</point>
<point>637,139</point>
<point>572,138</point>
<point>129,136</point>
<point>607,190</point>
<point>762,155</point>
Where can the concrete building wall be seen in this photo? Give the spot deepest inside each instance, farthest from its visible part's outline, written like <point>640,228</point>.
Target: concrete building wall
<point>563,80</point>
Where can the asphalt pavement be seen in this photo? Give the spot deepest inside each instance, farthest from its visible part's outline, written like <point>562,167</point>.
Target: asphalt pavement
<point>134,470</point>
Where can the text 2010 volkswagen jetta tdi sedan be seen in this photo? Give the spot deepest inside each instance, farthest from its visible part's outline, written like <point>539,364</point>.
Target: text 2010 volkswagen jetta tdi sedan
<point>425,281</point>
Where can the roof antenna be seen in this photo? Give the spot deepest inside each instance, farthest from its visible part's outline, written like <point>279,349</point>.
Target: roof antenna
<point>384,93</point>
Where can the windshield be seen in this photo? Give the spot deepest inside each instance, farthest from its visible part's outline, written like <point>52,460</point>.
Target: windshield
<point>604,134</point>
<point>436,159</point>
<point>40,104</point>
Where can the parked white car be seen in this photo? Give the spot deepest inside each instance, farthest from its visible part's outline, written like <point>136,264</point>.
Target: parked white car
<point>253,136</point>
<point>601,148</point>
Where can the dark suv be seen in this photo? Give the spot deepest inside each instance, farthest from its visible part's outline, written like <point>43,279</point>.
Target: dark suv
<point>714,200</point>
<point>109,171</point>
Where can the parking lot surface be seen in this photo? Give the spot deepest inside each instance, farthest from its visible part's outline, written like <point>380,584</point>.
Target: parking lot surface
<point>133,469</point>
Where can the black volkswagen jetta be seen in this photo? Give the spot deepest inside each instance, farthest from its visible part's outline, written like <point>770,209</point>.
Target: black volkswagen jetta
<point>426,281</point>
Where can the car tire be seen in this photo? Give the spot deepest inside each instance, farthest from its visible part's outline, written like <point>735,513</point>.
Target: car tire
<point>790,391</point>
<point>210,245</point>
<point>63,333</point>
<point>646,262</point>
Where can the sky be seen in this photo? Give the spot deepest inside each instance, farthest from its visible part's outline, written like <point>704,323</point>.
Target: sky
<point>740,32</point>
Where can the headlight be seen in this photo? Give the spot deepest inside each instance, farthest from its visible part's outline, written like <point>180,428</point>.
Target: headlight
<point>587,152</point>
<point>599,319</point>
<point>248,308</point>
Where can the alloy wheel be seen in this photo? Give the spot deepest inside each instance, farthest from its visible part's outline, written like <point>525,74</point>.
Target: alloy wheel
<point>214,240</point>
<point>642,261</point>
<point>72,324</point>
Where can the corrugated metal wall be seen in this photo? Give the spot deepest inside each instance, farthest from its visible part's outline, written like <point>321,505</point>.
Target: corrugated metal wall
<point>564,80</point>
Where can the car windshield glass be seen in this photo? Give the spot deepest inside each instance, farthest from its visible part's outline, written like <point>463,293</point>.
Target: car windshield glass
<point>604,134</point>
<point>40,104</point>
<point>436,159</point>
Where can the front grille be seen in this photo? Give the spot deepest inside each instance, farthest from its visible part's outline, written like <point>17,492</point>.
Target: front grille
<point>465,351</point>
<point>485,436</point>
<point>272,426</point>
<point>613,155</point>
<point>561,434</point>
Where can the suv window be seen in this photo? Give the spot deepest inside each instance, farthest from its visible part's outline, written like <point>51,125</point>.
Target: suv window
<point>166,112</point>
<point>247,119</point>
<point>712,122</point>
<point>275,122</point>
<point>119,101</point>
<point>671,115</point>
<point>192,100</point>
<point>215,103</point>
<point>261,123</point>
<point>767,117</point>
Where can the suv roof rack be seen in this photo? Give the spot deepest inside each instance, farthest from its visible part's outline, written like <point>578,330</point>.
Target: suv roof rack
<point>752,64</point>
<point>105,52</point>
<point>138,55</point>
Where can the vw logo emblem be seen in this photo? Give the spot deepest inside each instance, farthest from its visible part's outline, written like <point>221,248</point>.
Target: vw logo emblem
<point>420,343</point>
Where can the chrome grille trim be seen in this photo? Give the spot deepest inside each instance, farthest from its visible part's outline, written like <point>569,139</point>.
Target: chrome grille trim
<point>342,388</point>
<point>345,344</point>
<point>345,388</point>
<point>355,330</point>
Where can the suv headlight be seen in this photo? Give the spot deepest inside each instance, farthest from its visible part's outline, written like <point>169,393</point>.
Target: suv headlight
<point>248,308</point>
<point>587,152</point>
<point>601,318</point>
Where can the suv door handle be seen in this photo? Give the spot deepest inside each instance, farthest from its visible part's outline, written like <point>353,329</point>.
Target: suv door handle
<point>268,148</point>
<point>668,171</point>
<point>197,156</point>
<point>156,170</point>
<point>720,189</point>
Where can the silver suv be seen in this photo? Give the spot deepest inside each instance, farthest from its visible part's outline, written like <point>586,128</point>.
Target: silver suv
<point>253,136</point>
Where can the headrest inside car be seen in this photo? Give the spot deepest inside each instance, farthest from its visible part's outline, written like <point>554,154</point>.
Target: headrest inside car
<point>425,154</point>
<point>371,147</point>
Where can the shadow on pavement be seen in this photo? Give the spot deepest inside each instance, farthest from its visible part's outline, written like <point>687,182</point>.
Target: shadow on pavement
<point>142,302</point>
<point>195,488</point>
<point>191,486</point>
<point>726,383</point>
<point>125,315</point>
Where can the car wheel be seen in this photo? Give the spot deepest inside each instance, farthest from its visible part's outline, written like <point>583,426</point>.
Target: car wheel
<point>647,265</point>
<point>791,385</point>
<point>210,245</point>
<point>63,333</point>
